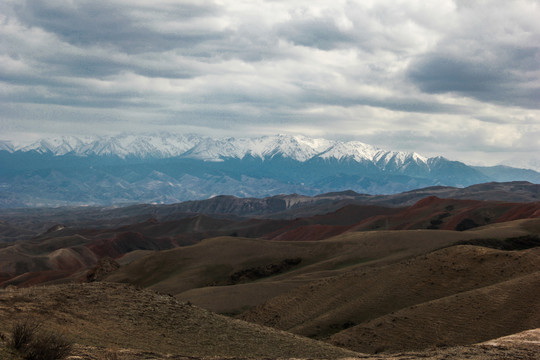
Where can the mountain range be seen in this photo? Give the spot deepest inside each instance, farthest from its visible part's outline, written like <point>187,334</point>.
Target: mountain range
<point>166,168</point>
<point>299,148</point>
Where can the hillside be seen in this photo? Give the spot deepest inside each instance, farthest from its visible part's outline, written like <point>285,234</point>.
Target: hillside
<point>65,252</point>
<point>112,316</point>
<point>113,321</point>
<point>466,317</point>
<point>363,277</point>
<point>367,293</point>
<point>472,293</point>
<point>450,214</point>
<point>27,222</point>
<point>203,273</point>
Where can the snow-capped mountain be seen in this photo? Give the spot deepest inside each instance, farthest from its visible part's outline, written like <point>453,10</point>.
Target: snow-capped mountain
<point>144,146</point>
<point>298,148</point>
<point>58,145</point>
<point>167,168</point>
<point>6,146</point>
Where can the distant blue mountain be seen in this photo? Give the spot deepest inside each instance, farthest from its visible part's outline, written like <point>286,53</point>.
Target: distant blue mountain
<point>164,168</point>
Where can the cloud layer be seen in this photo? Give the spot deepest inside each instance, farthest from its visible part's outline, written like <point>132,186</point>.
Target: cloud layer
<point>456,78</point>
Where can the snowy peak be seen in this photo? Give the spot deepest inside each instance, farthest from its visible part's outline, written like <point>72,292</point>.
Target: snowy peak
<point>391,160</point>
<point>298,148</point>
<point>352,150</point>
<point>266,147</point>
<point>58,146</point>
<point>215,150</point>
<point>6,146</point>
<point>159,146</point>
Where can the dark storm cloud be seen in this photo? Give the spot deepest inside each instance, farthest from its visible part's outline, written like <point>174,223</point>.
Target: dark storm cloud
<point>489,52</point>
<point>89,65</point>
<point>501,81</point>
<point>438,74</point>
<point>321,33</point>
<point>105,23</point>
<point>404,103</point>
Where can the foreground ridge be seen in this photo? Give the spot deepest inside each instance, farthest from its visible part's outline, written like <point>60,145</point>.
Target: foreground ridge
<point>121,322</point>
<point>107,315</point>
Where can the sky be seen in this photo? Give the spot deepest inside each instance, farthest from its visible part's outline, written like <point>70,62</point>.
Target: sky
<point>454,78</point>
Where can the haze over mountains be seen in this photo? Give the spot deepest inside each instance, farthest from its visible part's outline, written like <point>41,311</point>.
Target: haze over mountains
<point>168,168</point>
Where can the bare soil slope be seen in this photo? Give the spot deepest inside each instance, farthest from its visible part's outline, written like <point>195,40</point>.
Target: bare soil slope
<point>333,304</point>
<point>464,318</point>
<point>361,306</point>
<point>105,315</point>
<point>450,214</point>
<point>202,273</point>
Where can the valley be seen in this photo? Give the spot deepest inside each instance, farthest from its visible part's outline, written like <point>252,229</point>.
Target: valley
<point>432,273</point>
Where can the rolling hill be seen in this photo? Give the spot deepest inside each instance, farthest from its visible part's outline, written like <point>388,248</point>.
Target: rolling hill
<point>63,253</point>
<point>103,318</point>
<point>434,278</point>
<point>114,321</point>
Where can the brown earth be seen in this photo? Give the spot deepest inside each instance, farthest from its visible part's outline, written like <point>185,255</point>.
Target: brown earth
<point>413,288</point>
<point>453,296</point>
<point>63,253</point>
<point>450,214</point>
<point>112,321</point>
<point>331,305</point>
<point>103,316</point>
<point>464,318</point>
<point>201,273</point>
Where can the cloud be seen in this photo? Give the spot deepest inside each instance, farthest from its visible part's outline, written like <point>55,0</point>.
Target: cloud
<point>322,33</point>
<point>132,28</point>
<point>490,54</point>
<point>500,81</point>
<point>438,74</point>
<point>391,72</point>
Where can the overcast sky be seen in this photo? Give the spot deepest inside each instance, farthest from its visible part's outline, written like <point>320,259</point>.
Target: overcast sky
<point>454,78</point>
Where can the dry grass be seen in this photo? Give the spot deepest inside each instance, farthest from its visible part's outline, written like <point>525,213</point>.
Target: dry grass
<point>109,316</point>
<point>464,318</point>
<point>331,305</point>
<point>192,273</point>
<point>23,333</point>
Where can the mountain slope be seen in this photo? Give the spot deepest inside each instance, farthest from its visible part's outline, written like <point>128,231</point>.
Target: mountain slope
<point>204,273</point>
<point>367,293</point>
<point>26,222</point>
<point>107,321</point>
<point>463,318</point>
<point>118,316</point>
<point>164,168</point>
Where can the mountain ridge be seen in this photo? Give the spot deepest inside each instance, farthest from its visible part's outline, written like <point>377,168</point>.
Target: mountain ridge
<point>164,168</point>
<point>165,145</point>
